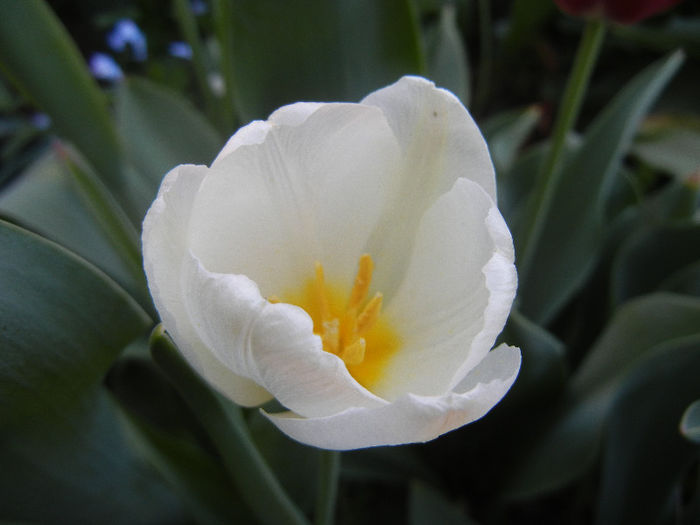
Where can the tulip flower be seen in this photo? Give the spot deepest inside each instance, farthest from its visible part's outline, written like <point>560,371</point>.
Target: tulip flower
<point>621,11</point>
<point>348,260</point>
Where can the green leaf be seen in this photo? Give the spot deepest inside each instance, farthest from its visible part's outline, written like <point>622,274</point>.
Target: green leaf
<point>46,200</point>
<point>427,506</point>
<point>37,53</point>
<point>644,454</point>
<point>319,50</point>
<point>197,477</point>
<point>229,434</point>
<point>650,258</point>
<point>63,324</point>
<point>505,134</point>
<point>570,443</point>
<point>671,144</point>
<point>448,63</point>
<point>690,422</point>
<point>543,371</point>
<point>573,230</point>
<point>161,130</point>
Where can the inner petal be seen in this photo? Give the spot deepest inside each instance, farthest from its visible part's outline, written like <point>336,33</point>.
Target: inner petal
<point>349,321</point>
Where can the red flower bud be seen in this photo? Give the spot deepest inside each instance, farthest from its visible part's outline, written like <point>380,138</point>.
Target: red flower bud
<point>622,11</point>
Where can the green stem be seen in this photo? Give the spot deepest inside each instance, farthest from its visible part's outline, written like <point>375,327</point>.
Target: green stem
<point>222,25</point>
<point>188,25</point>
<point>327,487</point>
<point>483,87</point>
<point>228,431</point>
<point>550,174</point>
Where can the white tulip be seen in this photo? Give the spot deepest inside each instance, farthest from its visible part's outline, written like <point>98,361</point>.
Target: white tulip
<point>348,260</point>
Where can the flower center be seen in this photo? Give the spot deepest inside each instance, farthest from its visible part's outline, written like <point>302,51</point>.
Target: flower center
<point>350,326</point>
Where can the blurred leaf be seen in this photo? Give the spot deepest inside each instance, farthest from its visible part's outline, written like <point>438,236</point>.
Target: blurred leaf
<point>644,455</point>
<point>690,422</point>
<point>287,458</point>
<point>225,426</point>
<point>39,56</point>
<point>671,144</point>
<point>637,326</point>
<point>505,134</point>
<point>198,478</point>
<point>543,371</point>
<point>319,50</point>
<point>161,130</point>
<point>677,32</point>
<point>427,506</point>
<point>651,257</point>
<point>574,229</point>
<point>46,200</point>
<point>570,444</point>
<point>685,281</point>
<point>448,63</point>
<point>63,324</point>
<point>525,22</point>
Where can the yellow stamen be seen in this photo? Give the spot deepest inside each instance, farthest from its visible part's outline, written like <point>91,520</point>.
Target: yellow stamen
<point>354,330</point>
<point>362,282</point>
<point>369,314</point>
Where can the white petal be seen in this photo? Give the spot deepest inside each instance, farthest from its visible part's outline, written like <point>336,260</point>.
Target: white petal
<point>294,114</point>
<point>437,133</point>
<point>272,344</point>
<point>164,249</point>
<point>439,144</point>
<point>253,133</point>
<point>410,418</point>
<point>256,131</point>
<point>455,296</point>
<point>309,192</point>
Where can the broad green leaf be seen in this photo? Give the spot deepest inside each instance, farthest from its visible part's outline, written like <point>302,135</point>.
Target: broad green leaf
<point>63,324</point>
<point>543,371</point>
<point>427,506</point>
<point>160,130</point>
<point>574,229</point>
<point>319,50</point>
<point>525,23</point>
<point>671,144</point>
<point>225,426</point>
<point>646,260</point>
<point>37,53</point>
<point>448,63</point>
<point>644,454</point>
<point>196,476</point>
<point>570,444</point>
<point>690,422</point>
<point>287,458</point>
<point>505,134</point>
<point>46,200</point>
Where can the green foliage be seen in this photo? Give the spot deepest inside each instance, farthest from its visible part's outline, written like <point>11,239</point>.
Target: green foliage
<point>603,423</point>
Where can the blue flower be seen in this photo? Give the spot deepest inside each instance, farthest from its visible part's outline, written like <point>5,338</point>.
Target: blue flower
<point>126,32</point>
<point>180,50</point>
<point>103,67</point>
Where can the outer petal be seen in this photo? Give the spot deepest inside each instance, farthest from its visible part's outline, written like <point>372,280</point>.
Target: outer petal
<point>437,135</point>
<point>456,294</point>
<point>439,143</point>
<point>308,192</point>
<point>256,131</point>
<point>410,418</point>
<point>272,344</point>
<point>164,251</point>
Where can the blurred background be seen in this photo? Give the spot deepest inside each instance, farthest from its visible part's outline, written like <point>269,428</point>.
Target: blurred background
<point>100,98</point>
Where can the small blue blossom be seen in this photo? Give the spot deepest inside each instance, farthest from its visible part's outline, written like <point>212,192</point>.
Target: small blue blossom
<point>198,7</point>
<point>40,121</point>
<point>180,50</point>
<point>126,32</point>
<point>103,67</point>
